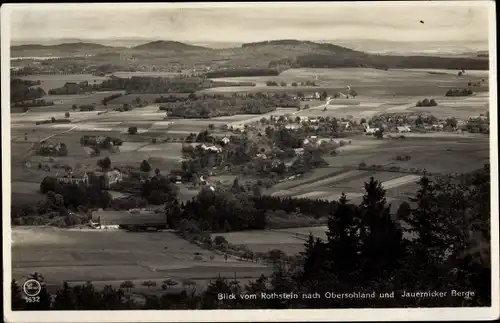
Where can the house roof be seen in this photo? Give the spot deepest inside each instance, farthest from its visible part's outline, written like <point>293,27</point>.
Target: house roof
<point>127,218</point>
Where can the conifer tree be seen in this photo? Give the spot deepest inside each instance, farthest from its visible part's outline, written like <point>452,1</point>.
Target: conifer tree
<point>424,221</point>
<point>64,299</point>
<point>17,301</point>
<point>378,232</point>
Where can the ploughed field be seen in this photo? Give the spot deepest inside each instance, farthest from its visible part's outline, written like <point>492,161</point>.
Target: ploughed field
<point>107,256</point>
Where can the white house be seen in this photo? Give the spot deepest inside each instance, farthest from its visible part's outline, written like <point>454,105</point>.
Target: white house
<point>211,148</point>
<point>403,129</point>
<point>112,177</point>
<point>345,124</point>
<point>225,140</point>
<point>299,151</point>
<point>70,179</point>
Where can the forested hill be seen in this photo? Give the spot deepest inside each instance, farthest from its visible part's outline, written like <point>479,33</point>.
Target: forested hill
<point>168,46</point>
<point>276,54</point>
<point>66,47</point>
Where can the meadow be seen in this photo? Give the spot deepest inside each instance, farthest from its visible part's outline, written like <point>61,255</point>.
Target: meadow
<point>56,81</point>
<point>79,255</point>
<point>366,81</point>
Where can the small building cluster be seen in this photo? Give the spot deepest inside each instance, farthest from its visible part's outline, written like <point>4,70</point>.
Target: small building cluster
<point>104,179</point>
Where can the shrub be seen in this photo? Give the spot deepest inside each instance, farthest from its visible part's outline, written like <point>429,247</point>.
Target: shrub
<point>145,166</point>
<point>220,240</point>
<point>132,130</point>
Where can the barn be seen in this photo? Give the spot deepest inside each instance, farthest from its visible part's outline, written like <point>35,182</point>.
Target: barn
<point>138,220</point>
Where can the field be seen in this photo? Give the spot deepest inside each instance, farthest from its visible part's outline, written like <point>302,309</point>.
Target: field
<point>56,81</point>
<point>115,256</point>
<point>367,82</point>
<point>266,240</point>
<point>438,154</point>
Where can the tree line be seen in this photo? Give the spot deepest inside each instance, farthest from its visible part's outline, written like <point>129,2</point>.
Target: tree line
<point>207,107</point>
<point>237,72</point>
<point>25,90</point>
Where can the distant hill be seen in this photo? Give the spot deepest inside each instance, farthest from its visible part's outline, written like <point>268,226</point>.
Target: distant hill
<point>299,43</point>
<point>61,50</point>
<point>168,46</point>
<point>62,47</point>
<point>274,54</point>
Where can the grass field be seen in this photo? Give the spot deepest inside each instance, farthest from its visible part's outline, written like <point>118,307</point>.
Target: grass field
<point>99,255</point>
<point>56,81</point>
<point>367,82</point>
<point>438,153</point>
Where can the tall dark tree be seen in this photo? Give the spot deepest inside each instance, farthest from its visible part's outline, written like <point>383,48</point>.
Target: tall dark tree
<point>145,166</point>
<point>423,220</point>
<point>64,299</point>
<point>378,230</point>
<point>17,302</point>
<point>220,286</point>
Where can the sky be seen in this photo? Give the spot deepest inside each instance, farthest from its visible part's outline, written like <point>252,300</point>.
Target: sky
<point>445,21</point>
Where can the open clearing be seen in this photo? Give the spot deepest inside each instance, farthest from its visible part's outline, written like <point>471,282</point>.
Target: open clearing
<point>95,255</point>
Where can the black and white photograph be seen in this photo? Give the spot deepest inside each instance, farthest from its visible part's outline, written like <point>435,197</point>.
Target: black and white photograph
<point>205,161</point>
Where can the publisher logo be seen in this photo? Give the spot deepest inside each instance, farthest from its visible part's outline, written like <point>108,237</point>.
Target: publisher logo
<point>32,287</point>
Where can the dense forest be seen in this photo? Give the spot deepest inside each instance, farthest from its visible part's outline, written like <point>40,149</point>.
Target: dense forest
<point>380,61</point>
<point>440,242</point>
<point>137,84</point>
<point>25,90</point>
<point>218,105</point>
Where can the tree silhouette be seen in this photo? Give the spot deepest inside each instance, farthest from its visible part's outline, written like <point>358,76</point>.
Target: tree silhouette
<point>104,163</point>
<point>379,134</point>
<point>218,286</point>
<point>149,283</point>
<point>17,302</point>
<point>145,166</point>
<point>64,299</point>
<point>127,285</point>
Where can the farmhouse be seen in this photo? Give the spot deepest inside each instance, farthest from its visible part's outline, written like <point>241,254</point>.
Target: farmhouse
<point>225,140</point>
<point>403,129</point>
<point>72,179</point>
<point>72,88</point>
<point>213,148</point>
<point>112,177</point>
<point>299,151</point>
<point>345,124</point>
<point>132,220</point>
